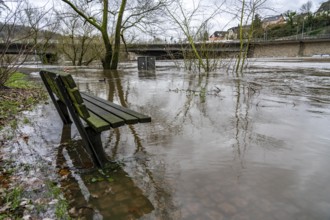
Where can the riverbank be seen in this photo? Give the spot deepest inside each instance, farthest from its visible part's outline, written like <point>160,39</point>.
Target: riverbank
<point>25,192</point>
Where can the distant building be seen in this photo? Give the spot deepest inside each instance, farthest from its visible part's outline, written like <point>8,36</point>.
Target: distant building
<point>218,35</point>
<point>273,20</point>
<point>232,33</point>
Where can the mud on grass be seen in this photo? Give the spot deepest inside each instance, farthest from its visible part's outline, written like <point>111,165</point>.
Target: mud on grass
<point>24,195</point>
<point>15,100</point>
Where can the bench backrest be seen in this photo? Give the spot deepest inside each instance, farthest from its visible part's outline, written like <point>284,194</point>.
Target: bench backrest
<point>62,85</point>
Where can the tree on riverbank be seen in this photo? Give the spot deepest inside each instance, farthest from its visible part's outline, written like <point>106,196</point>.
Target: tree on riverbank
<point>111,18</point>
<point>83,9</point>
<point>248,12</point>
<point>77,42</point>
<point>12,33</point>
<point>41,25</point>
<point>192,24</point>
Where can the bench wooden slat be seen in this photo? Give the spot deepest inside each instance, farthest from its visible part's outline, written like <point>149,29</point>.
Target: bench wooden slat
<point>142,118</point>
<point>66,77</point>
<point>81,110</point>
<point>114,121</point>
<point>68,80</point>
<point>129,119</point>
<point>50,78</point>
<point>74,94</point>
<point>97,123</point>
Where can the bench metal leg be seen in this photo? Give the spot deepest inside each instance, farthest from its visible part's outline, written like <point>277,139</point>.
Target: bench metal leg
<point>95,140</point>
<point>64,112</point>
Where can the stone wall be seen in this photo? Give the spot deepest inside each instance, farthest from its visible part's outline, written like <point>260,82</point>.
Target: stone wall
<point>290,49</point>
<point>316,48</point>
<point>276,50</point>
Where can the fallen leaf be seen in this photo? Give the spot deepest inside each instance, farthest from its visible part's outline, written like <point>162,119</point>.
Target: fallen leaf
<point>94,196</point>
<point>25,138</point>
<point>64,172</point>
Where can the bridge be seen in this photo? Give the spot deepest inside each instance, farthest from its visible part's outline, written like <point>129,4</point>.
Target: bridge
<point>258,48</point>
<point>166,51</point>
<point>27,49</point>
<point>271,48</point>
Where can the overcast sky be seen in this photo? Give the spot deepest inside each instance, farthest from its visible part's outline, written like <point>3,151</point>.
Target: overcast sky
<point>225,21</point>
<point>293,5</point>
<point>279,6</point>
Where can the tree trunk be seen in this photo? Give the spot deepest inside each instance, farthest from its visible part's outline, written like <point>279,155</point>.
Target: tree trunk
<point>115,58</point>
<point>106,61</point>
<point>82,50</point>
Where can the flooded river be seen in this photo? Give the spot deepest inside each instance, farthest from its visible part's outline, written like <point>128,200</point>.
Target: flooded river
<point>218,147</point>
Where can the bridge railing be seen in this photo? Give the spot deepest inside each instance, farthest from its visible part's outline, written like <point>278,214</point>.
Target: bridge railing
<point>294,37</point>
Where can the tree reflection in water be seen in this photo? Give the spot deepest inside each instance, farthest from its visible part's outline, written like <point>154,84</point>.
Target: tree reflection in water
<point>155,188</point>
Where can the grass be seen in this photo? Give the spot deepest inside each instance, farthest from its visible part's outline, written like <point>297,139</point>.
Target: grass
<point>14,197</point>
<point>62,205</point>
<point>14,201</point>
<point>10,196</point>
<point>19,80</point>
<point>20,94</point>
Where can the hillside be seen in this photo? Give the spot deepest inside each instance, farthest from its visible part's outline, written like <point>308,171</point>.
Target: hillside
<point>13,32</point>
<point>325,6</point>
<point>300,25</point>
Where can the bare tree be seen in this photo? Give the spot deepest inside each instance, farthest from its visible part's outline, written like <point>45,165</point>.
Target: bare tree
<point>192,22</point>
<point>14,49</point>
<point>144,17</point>
<point>247,15</point>
<point>41,25</point>
<point>112,19</point>
<point>3,6</point>
<point>96,14</point>
<point>78,41</point>
<point>307,7</point>
<point>307,17</point>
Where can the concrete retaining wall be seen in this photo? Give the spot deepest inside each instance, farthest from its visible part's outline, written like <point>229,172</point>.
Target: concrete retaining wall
<point>290,49</point>
<point>314,48</point>
<point>272,50</point>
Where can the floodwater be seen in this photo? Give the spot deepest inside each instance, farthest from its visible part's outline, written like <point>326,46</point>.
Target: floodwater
<point>218,147</point>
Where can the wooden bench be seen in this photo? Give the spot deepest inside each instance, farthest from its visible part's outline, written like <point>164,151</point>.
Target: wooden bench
<point>91,115</point>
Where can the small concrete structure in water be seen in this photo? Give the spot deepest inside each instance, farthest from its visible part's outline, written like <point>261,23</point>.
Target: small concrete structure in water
<point>146,63</point>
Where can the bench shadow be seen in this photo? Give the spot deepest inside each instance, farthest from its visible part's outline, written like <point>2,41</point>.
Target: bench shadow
<point>94,193</point>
